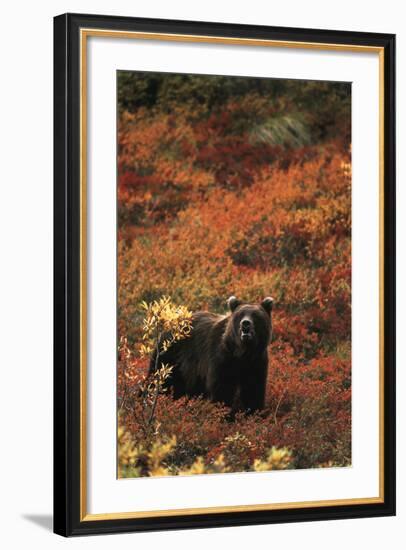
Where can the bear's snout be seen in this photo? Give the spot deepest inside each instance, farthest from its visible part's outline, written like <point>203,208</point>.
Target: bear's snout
<point>246,325</point>
<point>247,329</point>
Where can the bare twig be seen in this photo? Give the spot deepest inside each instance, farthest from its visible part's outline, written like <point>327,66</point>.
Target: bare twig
<point>277,406</point>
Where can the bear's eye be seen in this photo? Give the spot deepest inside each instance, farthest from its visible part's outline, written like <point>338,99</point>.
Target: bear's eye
<point>257,317</point>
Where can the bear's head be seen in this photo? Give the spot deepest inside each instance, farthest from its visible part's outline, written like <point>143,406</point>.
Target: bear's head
<point>250,325</point>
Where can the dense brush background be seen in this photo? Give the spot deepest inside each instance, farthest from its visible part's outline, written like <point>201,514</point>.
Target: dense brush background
<point>232,185</point>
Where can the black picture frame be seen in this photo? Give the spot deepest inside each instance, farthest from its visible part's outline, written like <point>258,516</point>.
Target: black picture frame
<point>68,520</point>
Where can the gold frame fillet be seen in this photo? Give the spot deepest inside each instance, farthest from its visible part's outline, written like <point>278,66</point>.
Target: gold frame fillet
<point>84,34</point>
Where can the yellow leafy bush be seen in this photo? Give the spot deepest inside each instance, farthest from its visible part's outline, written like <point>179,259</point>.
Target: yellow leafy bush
<point>277,459</point>
<point>137,461</point>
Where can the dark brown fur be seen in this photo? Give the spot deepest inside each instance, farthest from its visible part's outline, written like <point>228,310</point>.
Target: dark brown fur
<point>225,359</point>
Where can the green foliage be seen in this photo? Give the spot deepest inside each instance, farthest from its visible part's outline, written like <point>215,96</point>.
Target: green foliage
<point>322,109</point>
<point>286,130</point>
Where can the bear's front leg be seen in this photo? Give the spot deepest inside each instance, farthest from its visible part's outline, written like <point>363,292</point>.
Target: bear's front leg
<point>222,394</point>
<point>252,391</point>
<point>221,386</point>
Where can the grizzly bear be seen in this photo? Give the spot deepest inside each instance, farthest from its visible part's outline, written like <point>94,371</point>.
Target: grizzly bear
<point>225,358</point>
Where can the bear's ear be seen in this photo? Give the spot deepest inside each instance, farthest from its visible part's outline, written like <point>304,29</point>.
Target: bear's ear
<point>267,304</point>
<point>233,303</point>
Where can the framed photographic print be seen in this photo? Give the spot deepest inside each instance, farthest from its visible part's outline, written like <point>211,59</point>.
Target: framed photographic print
<point>224,274</point>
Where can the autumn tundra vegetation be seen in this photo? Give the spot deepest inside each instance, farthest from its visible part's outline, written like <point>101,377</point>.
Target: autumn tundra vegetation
<point>234,186</point>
